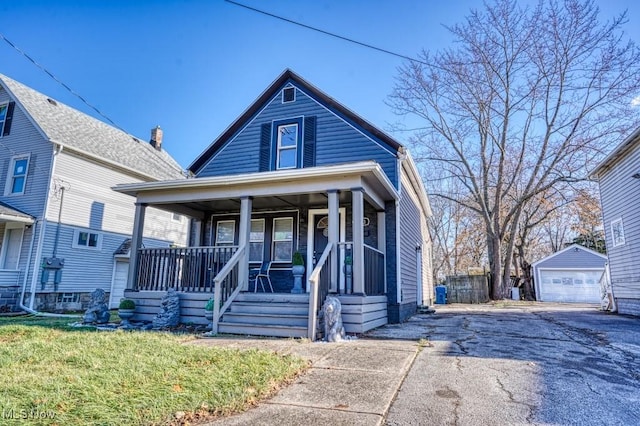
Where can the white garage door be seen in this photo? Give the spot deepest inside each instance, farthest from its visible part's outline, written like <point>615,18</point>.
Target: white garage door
<point>570,286</point>
<point>119,283</point>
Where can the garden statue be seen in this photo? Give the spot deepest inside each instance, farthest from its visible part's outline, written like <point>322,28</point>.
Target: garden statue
<point>333,329</point>
<point>98,311</point>
<point>169,315</point>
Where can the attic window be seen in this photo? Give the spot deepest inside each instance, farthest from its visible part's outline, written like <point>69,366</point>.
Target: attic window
<point>52,102</point>
<point>288,95</point>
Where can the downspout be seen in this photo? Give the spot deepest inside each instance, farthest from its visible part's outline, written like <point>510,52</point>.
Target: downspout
<point>57,149</point>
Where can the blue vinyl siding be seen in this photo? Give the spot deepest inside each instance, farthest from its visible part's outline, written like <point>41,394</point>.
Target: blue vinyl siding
<point>572,259</point>
<point>337,141</point>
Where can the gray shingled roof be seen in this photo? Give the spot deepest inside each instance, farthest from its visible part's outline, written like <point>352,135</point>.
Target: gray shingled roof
<point>81,132</point>
<point>7,211</point>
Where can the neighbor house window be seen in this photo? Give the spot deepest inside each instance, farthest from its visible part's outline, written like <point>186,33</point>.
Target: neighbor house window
<point>17,178</point>
<point>87,239</point>
<point>225,232</point>
<point>617,232</point>
<point>256,241</point>
<point>3,117</point>
<point>282,239</point>
<point>287,146</point>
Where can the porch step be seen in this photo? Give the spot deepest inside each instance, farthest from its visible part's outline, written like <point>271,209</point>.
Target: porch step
<point>263,330</point>
<point>270,308</point>
<point>267,314</point>
<point>265,319</point>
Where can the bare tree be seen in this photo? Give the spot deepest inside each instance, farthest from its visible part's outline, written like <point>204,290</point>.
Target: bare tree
<point>527,96</point>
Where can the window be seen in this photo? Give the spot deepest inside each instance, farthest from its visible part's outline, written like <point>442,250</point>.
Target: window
<point>17,179</point>
<point>282,239</point>
<point>288,95</point>
<point>256,241</point>
<point>617,232</point>
<point>87,239</point>
<point>3,117</point>
<point>225,232</point>
<point>68,297</point>
<point>287,146</point>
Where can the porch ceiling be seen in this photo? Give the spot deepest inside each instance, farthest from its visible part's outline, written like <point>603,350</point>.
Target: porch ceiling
<point>277,189</point>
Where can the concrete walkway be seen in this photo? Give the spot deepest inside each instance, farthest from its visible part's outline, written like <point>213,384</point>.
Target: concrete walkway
<point>349,383</point>
<point>502,364</point>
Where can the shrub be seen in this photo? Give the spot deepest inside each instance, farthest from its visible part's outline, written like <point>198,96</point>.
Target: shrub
<point>209,305</point>
<point>298,260</point>
<point>127,304</point>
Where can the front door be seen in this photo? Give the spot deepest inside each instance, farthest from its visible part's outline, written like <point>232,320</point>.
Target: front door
<point>320,237</point>
<point>11,248</point>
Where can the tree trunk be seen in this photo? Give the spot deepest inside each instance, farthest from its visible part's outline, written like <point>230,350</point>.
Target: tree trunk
<point>495,266</point>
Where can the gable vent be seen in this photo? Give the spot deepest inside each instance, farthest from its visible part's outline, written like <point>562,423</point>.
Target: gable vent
<point>288,94</point>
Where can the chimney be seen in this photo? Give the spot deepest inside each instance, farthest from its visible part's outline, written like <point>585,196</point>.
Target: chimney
<point>156,138</point>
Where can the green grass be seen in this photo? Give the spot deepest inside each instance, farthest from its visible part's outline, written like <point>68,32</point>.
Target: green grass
<point>134,378</point>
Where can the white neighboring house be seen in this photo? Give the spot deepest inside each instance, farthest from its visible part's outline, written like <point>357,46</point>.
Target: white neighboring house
<point>63,230</point>
<point>571,275</point>
<point>618,176</point>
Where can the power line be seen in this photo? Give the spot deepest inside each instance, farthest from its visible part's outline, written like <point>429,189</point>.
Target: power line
<point>309,27</point>
<point>23,53</point>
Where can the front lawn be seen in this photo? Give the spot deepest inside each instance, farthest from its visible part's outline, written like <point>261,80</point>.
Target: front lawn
<point>116,378</point>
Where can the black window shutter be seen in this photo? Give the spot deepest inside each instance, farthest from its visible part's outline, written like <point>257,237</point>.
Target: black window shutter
<point>309,142</point>
<point>265,147</point>
<point>8,119</point>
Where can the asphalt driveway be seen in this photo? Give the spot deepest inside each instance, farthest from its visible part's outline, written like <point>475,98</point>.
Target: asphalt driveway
<point>519,364</point>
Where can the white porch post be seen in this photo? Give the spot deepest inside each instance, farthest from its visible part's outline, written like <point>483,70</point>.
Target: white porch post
<point>136,243</point>
<point>382,242</point>
<point>358,239</point>
<point>334,237</point>
<point>244,236</point>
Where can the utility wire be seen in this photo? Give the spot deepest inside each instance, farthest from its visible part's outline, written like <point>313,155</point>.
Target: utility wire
<point>309,27</point>
<point>23,53</point>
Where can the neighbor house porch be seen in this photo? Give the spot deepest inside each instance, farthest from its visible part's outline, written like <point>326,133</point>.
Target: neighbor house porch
<point>335,216</point>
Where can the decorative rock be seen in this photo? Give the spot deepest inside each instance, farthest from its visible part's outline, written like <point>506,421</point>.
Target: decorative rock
<point>333,329</point>
<point>169,315</point>
<point>98,311</point>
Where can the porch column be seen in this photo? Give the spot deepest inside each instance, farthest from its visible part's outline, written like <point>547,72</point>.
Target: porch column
<point>382,242</point>
<point>334,237</point>
<point>357,204</point>
<point>136,243</point>
<point>244,236</point>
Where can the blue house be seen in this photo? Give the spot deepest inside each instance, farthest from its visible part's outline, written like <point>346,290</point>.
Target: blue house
<point>296,172</point>
<point>62,228</point>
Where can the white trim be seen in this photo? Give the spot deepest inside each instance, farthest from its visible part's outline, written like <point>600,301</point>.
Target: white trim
<point>622,240</point>
<point>233,232</point>
<point>274,241</point>
<point>419,272</point>
<point>398,255</point>
<point>5,242</point>
<point>288,86</point>
<point>312,213</point>
<point>89,232</point>
<point>10,175</point>
<point>293,148</point>
<point>266,178</point>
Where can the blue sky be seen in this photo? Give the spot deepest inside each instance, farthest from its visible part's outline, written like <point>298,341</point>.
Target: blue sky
<point>193,67</point>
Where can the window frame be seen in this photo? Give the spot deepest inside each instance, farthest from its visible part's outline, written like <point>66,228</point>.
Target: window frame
<point>274,240</point>
<point>3,121</point>
<point>8,190</point>
<point>76,234</point>
<point>619,239</point>
<point>233,233</point>
<point>256,241</point>
<point>276,143</point>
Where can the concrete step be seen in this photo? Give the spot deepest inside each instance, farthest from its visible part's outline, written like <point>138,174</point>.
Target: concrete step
<point>265,319</point>
<point>270,308</point>
<point>265,330</point>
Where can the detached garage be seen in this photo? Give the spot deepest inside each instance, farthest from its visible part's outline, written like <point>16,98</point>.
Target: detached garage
<point>571,275</point>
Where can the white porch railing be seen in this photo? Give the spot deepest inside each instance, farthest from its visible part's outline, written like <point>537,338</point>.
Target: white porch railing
<point>226,285</point>
<point>319,282</point>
